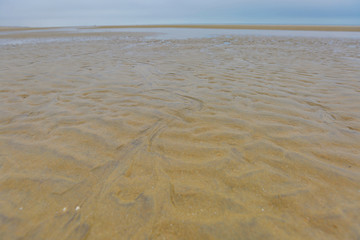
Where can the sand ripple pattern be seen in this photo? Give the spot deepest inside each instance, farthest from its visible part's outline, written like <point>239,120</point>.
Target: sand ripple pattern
<point>124,137</point>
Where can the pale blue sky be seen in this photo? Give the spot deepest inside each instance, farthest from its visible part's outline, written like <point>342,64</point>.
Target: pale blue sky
<point>128,12</point>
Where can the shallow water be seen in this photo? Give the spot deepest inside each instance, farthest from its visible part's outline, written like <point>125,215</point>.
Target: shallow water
<point>122,136</point>
<point>186,33</point>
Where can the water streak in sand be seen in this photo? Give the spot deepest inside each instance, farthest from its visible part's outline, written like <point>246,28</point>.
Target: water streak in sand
<point>119,136</point>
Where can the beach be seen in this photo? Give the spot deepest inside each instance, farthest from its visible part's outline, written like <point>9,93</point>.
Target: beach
<point>130,135</point>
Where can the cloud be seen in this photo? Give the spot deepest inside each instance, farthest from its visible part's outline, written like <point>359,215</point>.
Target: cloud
<point>90,12</point>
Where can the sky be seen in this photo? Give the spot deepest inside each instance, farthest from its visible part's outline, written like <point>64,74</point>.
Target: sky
<point>44,13</point>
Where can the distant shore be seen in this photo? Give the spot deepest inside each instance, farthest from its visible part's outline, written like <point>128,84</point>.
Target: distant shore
<point>213,26</point>
<point>255,27</point>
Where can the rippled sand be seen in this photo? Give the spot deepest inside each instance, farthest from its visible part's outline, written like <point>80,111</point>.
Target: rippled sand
<point>120,136</point>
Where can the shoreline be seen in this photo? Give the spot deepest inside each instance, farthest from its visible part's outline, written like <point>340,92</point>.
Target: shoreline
<point>343,28</point>
<point>250,27</point>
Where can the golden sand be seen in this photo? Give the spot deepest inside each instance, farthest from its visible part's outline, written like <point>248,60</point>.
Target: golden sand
<point>126,137</point>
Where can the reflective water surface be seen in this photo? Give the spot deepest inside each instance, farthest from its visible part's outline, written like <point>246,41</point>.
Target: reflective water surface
<point>122,135</point>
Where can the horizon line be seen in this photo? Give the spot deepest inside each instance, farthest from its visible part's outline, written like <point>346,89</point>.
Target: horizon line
<point>298,27</point>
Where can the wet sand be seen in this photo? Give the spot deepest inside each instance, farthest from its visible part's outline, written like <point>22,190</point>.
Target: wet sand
<point>120,136</point>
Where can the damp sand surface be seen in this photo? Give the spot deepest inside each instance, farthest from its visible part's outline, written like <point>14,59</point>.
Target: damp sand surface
<point>117,135</point>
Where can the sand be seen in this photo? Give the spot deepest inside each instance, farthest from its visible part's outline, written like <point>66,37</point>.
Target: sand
<point>120,136</point>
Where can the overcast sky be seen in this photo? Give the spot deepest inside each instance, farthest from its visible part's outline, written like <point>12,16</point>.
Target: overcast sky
<point>124,12</point>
